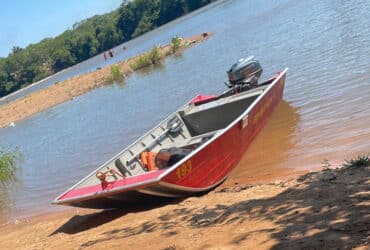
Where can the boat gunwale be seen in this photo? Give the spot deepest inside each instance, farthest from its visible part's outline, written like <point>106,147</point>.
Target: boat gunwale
<point>218,134</point>
<point>116,156</point>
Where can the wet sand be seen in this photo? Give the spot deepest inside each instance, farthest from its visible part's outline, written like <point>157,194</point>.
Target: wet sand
<point>327,209</point>
<point>63,91</point>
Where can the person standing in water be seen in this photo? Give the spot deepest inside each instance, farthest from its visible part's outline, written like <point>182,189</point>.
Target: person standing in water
<point>110,53</point>
<point>105,56</point>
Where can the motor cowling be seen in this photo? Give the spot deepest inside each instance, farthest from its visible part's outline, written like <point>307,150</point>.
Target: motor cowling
<point>245,73</point>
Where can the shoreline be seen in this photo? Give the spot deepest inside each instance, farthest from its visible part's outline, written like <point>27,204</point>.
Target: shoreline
<point>316,210</point>
<point>280,175</point>
<point>61,92</point>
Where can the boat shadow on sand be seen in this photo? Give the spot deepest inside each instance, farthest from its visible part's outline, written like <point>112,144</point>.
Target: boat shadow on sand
<point>324,210</point>
<point>80,223</point>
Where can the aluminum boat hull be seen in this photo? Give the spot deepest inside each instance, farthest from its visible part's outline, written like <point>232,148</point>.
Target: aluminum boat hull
<point>201,171</point>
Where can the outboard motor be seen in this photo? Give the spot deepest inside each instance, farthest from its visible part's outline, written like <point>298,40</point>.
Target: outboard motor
<point>244,74</point>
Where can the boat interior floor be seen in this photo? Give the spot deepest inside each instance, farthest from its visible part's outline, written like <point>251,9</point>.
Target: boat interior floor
<point>187,128</point>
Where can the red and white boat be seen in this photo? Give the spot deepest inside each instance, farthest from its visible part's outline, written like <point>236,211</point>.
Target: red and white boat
<point>191,151</point>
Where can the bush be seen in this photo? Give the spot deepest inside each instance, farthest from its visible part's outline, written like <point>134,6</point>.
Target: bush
<point>359,162</point>
<point>141,62</point>
<point>116,74</point>
<point>146,59</point>
<point>154,55</point>
<point>8,167</point>
<point>8,176</point>
<point>175,44</point>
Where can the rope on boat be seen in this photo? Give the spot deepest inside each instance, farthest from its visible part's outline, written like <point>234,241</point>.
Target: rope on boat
<point>102,176</point>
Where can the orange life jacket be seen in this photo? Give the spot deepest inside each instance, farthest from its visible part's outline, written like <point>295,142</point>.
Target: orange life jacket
<point>147,159</point>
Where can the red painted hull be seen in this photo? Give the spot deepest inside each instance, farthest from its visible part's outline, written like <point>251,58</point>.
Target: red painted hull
<point>202,171</point>
<point>212,164</point>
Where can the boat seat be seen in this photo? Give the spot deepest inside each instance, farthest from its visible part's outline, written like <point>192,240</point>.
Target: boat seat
<point>206,118</point>
<point>121,167</point>
<point>195,141</point>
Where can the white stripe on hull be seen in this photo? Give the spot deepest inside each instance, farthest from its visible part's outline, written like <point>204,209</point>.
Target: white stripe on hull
<point>165,189</point>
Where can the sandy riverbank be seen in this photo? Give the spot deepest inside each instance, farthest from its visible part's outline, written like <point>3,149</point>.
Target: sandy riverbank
<point>320,210</point>
<point>63,91</point>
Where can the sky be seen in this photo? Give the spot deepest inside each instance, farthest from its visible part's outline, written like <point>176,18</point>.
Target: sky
<point>23,22</point>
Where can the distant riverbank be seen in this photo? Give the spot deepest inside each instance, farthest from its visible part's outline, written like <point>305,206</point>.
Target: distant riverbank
<point>66,90</point>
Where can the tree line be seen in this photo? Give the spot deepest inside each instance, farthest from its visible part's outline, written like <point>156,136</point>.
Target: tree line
<point>88,38</point>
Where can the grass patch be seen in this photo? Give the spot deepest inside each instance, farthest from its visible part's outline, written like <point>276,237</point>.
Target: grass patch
<point>358,162</point>
<point>116,75</point>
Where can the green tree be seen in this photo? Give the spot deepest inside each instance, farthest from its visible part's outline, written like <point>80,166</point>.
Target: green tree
<point>169,10</point>
<point>146,24</point>
<point>108,37</point>
<point>62,59</point>
<point>127,20</point>
<point>191,5</point>
<point>87,38</point>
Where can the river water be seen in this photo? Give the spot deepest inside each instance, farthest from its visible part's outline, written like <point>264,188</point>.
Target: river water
<point>325,113</point>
